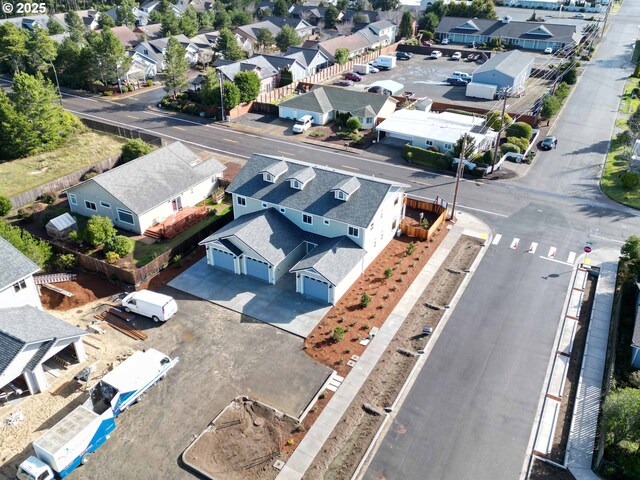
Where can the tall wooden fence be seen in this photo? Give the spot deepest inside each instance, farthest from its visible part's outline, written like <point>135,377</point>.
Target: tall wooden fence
<point>136,276</point>
<point>419,232</point>
<point>122,131</point>
<point>61,183</point>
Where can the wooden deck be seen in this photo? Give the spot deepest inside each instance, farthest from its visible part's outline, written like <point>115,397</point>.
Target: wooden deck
<point>177,223</point>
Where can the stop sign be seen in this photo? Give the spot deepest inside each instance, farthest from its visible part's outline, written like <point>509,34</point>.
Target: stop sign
<point>587,249</point>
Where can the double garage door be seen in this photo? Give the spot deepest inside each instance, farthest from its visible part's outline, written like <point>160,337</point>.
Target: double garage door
<point>315,288</point>
<point>257,269</point>
<point>223,260</point>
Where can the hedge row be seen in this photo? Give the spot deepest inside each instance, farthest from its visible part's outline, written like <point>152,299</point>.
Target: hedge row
<point>426,158</point>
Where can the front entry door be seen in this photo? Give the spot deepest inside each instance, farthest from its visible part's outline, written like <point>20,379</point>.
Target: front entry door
<point>176,204</point>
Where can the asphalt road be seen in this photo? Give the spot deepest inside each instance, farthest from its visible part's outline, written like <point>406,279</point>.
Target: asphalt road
<point>471,410</point>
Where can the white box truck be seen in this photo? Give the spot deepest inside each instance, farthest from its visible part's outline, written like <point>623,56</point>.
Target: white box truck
<point>362,68</point>
<point>385,62</point>
<point>481,90</point>
<point>150,304</point>
<point>73,439</point>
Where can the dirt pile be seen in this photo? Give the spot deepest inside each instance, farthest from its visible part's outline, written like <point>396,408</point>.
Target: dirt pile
<point>86,288</point>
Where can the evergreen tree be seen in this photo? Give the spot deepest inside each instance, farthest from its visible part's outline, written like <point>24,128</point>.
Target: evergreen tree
<point>170,24</point>
<point>13,46</point>
<point>429,21</point>
<point>222,20</point>
<point>109,60</point>
<point>105,22</point>
<point>406,25</point>
<point>189,22</point>
<point>174,74</point>
<point>75,25</point>
<point>228,46</point>
<point>287,38</point>
<point>331,16</point>
<point>206,19</point>
<point>41,50</point>
<point>17,137</point>
<point>54,27</point>
<point>280,9</point>
<point>124,13</point>
<point>210,88</point>
<point>248,84</point>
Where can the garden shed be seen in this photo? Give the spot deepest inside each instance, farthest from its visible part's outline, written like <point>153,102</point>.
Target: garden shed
<point>61,226</point>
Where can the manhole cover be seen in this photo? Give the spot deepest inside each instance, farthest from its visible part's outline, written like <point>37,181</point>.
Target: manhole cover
<point>258,422</point>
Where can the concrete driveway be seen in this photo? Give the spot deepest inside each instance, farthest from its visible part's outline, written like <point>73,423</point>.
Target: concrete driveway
<point>278,305</point>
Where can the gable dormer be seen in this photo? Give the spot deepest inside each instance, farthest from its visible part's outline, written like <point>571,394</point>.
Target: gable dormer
<point>299,179</point>
<point>273,171</point>
<point>541,31</point>
<point>346,188</point>
<point>468,25</point>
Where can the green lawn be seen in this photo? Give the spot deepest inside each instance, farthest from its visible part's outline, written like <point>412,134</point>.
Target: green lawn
<point>144,253</point>
<point>628,104</point>
<point>616,165</point>
<point>23,174</point>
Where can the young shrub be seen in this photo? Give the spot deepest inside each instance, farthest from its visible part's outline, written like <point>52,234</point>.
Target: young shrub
<point>365,299</point>
<point>509,147</point>
<point>99,230</point>
<point>112,257</point>
<point>133,149</point>
<point>630,179</point>
<point>520,130</point>
<point>49,197</point>
<point>338,334</point>
<point>66,261</point>
<point>120,244</point>
<point>388,273</point>
<point>425,224</point>
<point>322,395</point>
<point>521,143</point>
<point>300,427</point>
<point>5,206</point>
<point>410,248</point>
<point>177,259</point>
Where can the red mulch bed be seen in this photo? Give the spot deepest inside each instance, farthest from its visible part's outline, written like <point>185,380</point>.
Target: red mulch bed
<point>86,288</point>
<point>385,295</point>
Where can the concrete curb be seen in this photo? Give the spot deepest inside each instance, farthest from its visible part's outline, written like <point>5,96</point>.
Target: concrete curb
<point>321,430</point>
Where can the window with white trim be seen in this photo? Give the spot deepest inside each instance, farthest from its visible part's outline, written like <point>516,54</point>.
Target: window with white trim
<point>428,143</point>
<point>354,232</point>
<point>268,177</point>
<point>448,146</point>
<point>105,205</point>
<point>73,199</point>
<point>241,201</point>
<point>125,216</point>
<point>295,184</point>
<point>90,205</point>
<point>21,285</point>
<point>340,195</point>
<point>306,218</point>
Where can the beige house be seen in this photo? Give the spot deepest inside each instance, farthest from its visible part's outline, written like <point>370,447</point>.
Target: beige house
<point>149,189</point>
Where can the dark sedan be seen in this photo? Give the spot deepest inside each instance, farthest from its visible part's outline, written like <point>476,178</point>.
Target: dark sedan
<point>404,55</point>
<point>548,143</point>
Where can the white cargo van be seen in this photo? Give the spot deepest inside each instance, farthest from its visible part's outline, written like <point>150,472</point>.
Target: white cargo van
<point>154,305</point>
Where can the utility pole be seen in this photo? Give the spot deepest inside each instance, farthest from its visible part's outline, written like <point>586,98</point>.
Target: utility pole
<point>505,92</point>
<point>221,97</point>
<point>458,175</point>
<point>606,17</point>
<point>55,74</point>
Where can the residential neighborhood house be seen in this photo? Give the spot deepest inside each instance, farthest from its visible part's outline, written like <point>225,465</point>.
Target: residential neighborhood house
<point>325,103</point>
<point>149,189</point>
<point>527,35</point>
<point>317,226</point>
<point>17,287</point>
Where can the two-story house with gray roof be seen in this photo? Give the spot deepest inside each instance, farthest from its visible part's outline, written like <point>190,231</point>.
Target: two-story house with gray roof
<point>148,190</point>
<point>17,287</point>
<point>320,225</point>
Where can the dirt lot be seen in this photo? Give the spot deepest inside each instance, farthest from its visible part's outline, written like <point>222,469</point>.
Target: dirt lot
<point>242,443</point>
<point>545,471</point>
<point>343,451</point>
<point>86,289</point>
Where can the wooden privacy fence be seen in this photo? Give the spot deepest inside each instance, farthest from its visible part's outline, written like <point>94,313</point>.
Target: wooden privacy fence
<point>418,232</point>
<point>61,183</point>
<point>136,276</point>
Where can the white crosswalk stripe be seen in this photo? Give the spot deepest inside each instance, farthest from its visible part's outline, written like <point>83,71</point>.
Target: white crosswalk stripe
<point>572,257</point>
<point>515,243</point>
<point>552,252</point>
<point>533,247</point>
<point>496,239</point>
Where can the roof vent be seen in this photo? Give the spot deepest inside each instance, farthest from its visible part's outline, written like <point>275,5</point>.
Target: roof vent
<point>506,19</point>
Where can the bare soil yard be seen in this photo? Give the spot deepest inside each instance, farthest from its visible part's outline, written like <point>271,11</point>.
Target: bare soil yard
<point>341,454</point>
<point>86,288</point>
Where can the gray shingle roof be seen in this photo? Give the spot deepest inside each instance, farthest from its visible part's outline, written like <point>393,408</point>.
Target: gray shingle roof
<point>270,234</point>
<point>509,63</point>
<point>277,168</point>
<point>565,34</point>
<point>148,181</point>
<point>334,259</point>
<point>326,99</point>
<point>306,56</point>
<point>316,198</point>
<point>24,325</point>
<point>303,175</point>
<point>15,266</point>
<point>348,185</point>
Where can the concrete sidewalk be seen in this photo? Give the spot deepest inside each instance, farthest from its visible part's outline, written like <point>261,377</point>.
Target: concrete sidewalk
<point>321,430</point>
<point>584,424</point>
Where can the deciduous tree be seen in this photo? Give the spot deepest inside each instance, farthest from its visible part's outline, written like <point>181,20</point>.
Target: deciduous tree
<point>280,9</point>
<point>248,84</point>
<point>341,55</point>
<point>174,75</point>
<point>264,39</point>
<point>287,38</point>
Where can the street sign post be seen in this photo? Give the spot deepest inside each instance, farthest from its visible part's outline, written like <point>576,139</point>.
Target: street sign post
<point>587,249</point>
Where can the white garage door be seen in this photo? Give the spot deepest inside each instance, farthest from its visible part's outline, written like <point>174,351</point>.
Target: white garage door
<point>315,288</point>
<point>223,260</point>
<point>258,269</point>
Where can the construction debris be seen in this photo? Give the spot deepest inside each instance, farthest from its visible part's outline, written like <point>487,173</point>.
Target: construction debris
<point>53,278</point>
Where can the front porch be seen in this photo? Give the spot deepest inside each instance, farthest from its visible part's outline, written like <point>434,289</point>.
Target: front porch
<point>177,223</point>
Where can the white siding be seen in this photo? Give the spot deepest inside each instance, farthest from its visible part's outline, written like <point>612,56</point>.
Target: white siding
<point>293,258</point>
<point>27,296</point>
<point>349,280</point>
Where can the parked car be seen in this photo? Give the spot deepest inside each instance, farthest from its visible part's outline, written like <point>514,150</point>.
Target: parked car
<point>379,89</point>
<point>548,50</point>
<point>579,15</point>
<point>462,76</point>
<point>456,82</point>
<point>373,69</point>
<point>456,56</point>
<point>425,43</point>
<point>548,143</point>
<point>354,77</point>
<point>471,45</point>
<point>404,55</point>
<point>436,54</point>
<point>303,124</point>
<point>445,41</point>
<point>344,83</point>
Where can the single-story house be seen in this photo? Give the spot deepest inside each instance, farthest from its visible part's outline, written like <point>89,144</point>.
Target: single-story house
<point>324,103</point>
<point>505,70</point>
<point>526,35</point>
<point>356,44</point>
<point>428,129</point>
<point>269,69</point>
<point>149,189</point>
<point>316,225</point>
<point>28,338</point>
<point>17,287</point>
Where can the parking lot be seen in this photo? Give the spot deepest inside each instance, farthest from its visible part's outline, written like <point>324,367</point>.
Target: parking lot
<point>222,355</point>
<point>426,77</point>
